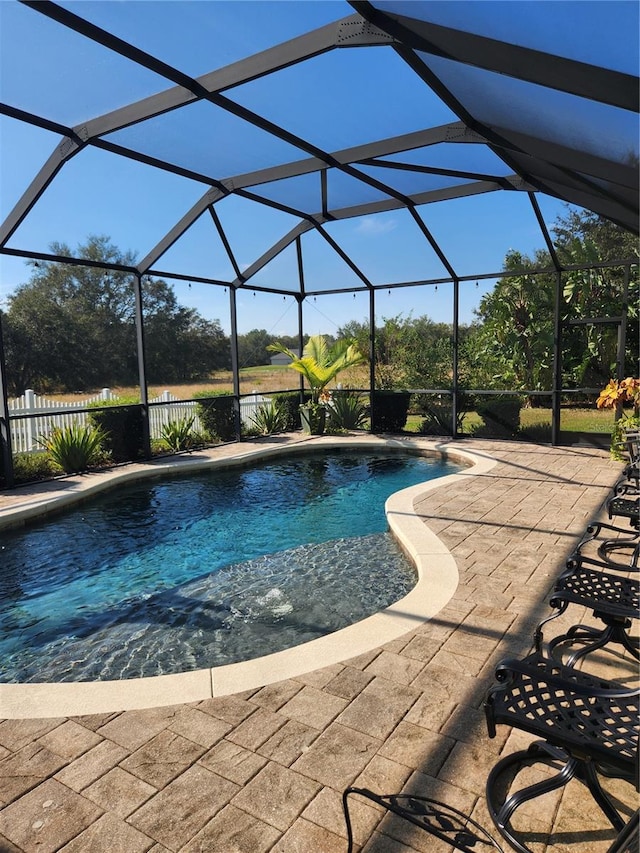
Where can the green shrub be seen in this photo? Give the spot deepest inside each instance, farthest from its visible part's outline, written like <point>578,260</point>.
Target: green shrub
<point>179,435</point>
<point>269,418</point>
<point>389,410</point>
<point>30,467</point>
<point>501,416</point>
<point>347,410</point>
<point>618,448</point>
<point>438,417</point>
<point>217,414</point>
<point>75,448</point>
<point>122,423</point>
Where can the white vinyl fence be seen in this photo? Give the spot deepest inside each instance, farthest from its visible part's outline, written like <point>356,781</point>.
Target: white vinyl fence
<point>32,417</point>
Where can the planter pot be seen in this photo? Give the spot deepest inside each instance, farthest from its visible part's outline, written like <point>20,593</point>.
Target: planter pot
<point>313,419</point>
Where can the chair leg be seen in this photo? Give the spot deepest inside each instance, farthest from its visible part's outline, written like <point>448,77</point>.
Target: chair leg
<point>627,840</point>
<point>538,636</point>
<point>587,773</point>
<point>544,753</point>
<point>616,545</point>
<point>502,814</point>
<point>595,638</point>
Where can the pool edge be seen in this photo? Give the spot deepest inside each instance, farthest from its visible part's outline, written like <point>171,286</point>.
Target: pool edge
<point>437,582</point>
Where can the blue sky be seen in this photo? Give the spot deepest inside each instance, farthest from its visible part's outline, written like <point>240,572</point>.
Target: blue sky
<point>333,100</point>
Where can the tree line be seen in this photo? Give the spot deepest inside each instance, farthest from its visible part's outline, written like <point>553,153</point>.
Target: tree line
<point>72,328</point>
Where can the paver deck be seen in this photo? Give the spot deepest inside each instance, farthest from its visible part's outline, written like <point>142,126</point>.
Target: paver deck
<point>264,770</point>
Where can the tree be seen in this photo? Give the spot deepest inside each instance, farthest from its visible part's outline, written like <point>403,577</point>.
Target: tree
<point>73,327</point>
<point>409,352</point>
<point>252,348</point>
<point>512,346</point>
<point>591,350</point>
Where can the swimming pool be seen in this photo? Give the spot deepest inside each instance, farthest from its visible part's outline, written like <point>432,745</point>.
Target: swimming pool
<point>249,561</point>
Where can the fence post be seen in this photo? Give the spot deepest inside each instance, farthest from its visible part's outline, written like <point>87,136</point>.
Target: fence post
<point>30,406</point>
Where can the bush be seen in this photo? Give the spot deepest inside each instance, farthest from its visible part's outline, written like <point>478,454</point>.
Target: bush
<point>121,421</point>
<point>438,417</point>
<point>347,410</point>
<point>618,448</point>
<point>75,448</point>
<point>30,467</point>
<point>180,435</point>
<point>269,418</point>
<point>390,409</point>
<point>217,414</point>
<point>501,416</point>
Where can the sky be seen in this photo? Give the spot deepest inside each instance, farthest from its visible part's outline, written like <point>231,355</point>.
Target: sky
<point>338,100</point>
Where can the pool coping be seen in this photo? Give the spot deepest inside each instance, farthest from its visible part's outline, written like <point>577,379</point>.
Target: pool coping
<point>435,566</point>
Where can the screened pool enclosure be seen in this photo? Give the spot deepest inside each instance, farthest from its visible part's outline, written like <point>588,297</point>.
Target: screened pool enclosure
<point>307,167</point>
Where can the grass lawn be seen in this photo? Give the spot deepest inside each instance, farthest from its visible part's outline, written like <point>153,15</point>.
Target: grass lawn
<point>571,420</point>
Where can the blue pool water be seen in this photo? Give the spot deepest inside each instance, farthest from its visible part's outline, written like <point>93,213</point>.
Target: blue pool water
<point>189,572</point>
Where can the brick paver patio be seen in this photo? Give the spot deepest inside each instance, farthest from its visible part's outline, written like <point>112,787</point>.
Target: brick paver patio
<point>264,770</point>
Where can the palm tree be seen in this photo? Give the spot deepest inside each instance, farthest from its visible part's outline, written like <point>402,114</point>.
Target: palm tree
<point>320,363</point>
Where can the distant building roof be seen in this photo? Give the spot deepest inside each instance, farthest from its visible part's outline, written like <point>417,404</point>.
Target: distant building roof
<point>282,358</point>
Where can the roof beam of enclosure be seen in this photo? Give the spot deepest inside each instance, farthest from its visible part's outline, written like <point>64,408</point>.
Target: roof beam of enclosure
<point>432,170</point>
<point>95,33</point>
<point>454,132</point>
<point>432,242</point>
<point>225,241</point>
<point>545,231</point>
<point>210,197</point>
<point>116,44</point>
<point>281,56</point>
<point>483,131</point>
<point>493,137</point>
<point>345,257</point>
<point>64,150</point>
<point>543,69</point>
<point>271,253</point>
<point>317,219</point>
<point>503,143</point>
<point>574,170</point>
<point>569,158</point>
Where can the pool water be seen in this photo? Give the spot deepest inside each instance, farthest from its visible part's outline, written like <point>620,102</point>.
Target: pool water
<point>198,571</point>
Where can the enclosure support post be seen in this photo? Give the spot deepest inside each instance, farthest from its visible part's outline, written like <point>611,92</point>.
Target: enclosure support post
<point>557,363</point>
<point>454,360</point>
<point>5,427</point>
<point>622,328</point>
<point>142,369</point>
<point>300,299</point>
<point>372,350</point>
<point>235,361</point>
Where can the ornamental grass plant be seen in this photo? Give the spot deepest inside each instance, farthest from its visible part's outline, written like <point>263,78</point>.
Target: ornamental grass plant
<point>76,448</point>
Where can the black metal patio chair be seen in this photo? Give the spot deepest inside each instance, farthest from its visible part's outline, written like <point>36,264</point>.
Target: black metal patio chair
<point>588,728</point>
<point>613,598</point>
